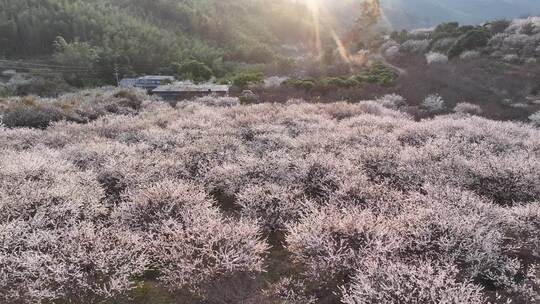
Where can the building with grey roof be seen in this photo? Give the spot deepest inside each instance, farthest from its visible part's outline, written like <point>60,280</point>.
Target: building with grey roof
<point>180,91</point>
<point>153,81</point>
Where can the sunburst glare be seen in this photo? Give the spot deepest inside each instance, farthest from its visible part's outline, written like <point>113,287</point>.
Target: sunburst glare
<point>322,18</point>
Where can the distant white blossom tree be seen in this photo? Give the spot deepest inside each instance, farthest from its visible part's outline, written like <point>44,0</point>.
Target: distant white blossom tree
<point>434,57</point>
<point>433,103</point>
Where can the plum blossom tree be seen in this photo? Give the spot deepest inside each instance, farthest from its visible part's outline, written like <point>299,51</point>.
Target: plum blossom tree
<point>468,108</point>
<point>434,58</point>
<point>54,242</point>
<point>187,239</point>
<point>433,103</point>
<point>535,118</point>
<point>391,282</point>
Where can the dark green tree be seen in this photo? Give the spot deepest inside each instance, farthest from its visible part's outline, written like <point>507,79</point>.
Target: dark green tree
<point>471,40</point>
<point>193,70</point>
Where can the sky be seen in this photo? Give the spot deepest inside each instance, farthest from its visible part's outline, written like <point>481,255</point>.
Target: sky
<point>426,13</point>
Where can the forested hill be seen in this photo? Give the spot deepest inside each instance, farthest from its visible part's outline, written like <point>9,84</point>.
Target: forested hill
<point>144,34</point>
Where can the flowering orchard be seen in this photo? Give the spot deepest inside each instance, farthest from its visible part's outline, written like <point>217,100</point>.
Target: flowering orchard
<point>218,202</point>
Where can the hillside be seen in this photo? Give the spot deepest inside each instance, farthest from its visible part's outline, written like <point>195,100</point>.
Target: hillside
<point>142,36</point>
<point>494,66</point>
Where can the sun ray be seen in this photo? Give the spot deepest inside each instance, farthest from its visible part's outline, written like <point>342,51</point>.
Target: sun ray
<point>314,7</point>
<point>317,26</point>
<point>322,18</point>
<point>342,49</point>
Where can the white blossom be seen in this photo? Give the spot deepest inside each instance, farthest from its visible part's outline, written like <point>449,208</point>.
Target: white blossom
<point>433,58</point>
<point>433,103</point>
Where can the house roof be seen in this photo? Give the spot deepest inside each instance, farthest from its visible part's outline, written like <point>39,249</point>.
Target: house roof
<point>183,87</point>
<point>156,77</point>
